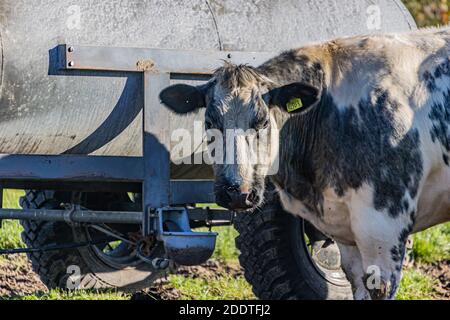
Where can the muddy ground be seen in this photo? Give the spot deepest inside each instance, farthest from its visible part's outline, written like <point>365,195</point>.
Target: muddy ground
<point>18,279</point>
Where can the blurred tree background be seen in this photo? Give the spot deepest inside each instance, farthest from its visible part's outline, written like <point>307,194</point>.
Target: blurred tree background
<point>429,12</point>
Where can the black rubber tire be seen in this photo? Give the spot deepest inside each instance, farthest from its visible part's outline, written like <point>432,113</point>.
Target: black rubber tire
<point>276,263</point>
<point>52,267</point>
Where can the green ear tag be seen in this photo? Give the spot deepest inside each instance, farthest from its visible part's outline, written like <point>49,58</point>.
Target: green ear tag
<point>294,105</point>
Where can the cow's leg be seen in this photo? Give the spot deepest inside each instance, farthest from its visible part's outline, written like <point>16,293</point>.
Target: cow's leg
<point>381,240</point>
<point>352,265</point>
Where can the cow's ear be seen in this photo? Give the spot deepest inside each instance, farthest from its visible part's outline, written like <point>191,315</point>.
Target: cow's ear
<point>294,98</point>
<point>182,98</point>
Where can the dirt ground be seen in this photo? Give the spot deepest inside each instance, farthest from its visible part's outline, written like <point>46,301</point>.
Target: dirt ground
<point>18,279</point>
<point>440,271</point>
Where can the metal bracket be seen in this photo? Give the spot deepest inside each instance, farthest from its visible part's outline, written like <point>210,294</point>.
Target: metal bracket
<point>158,67</point>
<point>155,60</point>
<point>181,244</point>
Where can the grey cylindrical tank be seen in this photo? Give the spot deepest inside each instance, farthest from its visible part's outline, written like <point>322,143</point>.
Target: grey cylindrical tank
<point>43,111</point>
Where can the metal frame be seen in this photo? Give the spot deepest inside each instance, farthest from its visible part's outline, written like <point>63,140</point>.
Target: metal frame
<point>152,171</point>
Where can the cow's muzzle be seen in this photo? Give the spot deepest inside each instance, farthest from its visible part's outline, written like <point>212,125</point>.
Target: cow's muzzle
<point>239,201</point>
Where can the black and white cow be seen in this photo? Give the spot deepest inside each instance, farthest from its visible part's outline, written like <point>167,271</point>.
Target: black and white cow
<point>363,145</point>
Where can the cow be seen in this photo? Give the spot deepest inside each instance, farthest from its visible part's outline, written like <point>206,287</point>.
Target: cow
<point>363,142</point>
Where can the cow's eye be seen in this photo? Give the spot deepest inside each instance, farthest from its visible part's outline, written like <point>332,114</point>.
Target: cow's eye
<point>208,125</point>
<point>263,125</point>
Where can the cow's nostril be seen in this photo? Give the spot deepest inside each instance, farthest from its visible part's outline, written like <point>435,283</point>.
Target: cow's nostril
<point>232,190</point>
<point>238,199</point>
<point>253,197</point>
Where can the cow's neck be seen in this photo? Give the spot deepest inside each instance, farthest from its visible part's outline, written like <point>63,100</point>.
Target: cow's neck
<point>301,157</point>
<point>299,149</point>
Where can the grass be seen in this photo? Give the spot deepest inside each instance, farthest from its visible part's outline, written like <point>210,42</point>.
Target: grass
<point>432,245</point>
<point>225,248</point>
<point>76,295</point>
<point>429,246</point>
<point>10,231</point>
<point>416,285</point>
<point>223,288</point>
<point>11,198</point>
<point>10,235</point>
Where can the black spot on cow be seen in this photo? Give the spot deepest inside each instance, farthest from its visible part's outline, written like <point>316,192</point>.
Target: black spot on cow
<point>443,69</point>
<point>405,205</point>
<point>430,81</point>
<point>440,130</point>
<point>440,112</point>
<point>398,251</point>
<point>446,159</point>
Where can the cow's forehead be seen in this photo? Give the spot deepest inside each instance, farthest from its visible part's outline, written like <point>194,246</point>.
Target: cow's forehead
<point>233,78</point>
<point>236,95</point>
<point>233,110</point>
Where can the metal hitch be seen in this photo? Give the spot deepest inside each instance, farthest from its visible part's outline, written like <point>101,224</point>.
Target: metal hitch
<point>181,244</point>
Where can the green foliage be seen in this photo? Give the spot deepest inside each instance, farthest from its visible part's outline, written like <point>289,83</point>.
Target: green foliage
<point>225,248</point>
<point>10,231</point>
<point>11,198</point>
<point>429,12</point>
<point>416,286</point>
<point>74,295</point>
<point>10,235</point>
<point>223,288</point>
<point>432,245</point>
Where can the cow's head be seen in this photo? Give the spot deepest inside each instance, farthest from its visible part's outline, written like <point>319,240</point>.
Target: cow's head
<point>240,103</point>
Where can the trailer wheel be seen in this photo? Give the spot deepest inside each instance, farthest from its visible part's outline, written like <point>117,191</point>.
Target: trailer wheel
<point>89,268</point>
<point>285,258</point>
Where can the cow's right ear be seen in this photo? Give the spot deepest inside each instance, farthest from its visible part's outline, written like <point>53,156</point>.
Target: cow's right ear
<point>182,98</point>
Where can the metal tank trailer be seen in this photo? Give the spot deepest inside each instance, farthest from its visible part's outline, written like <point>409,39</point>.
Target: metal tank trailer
<point>82,129</point>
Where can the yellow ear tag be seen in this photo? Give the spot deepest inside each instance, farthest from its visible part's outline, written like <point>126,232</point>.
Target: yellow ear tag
<point>294,105</point>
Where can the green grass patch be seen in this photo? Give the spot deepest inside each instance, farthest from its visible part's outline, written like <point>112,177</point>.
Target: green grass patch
<point>223,288</point>
<point>74,295</point>
<point>11,198</point>
<point>432,245</point>
<point>10,235</point>
<point>225,247</point>
<point>10,231</point>
<point>416,285</point>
